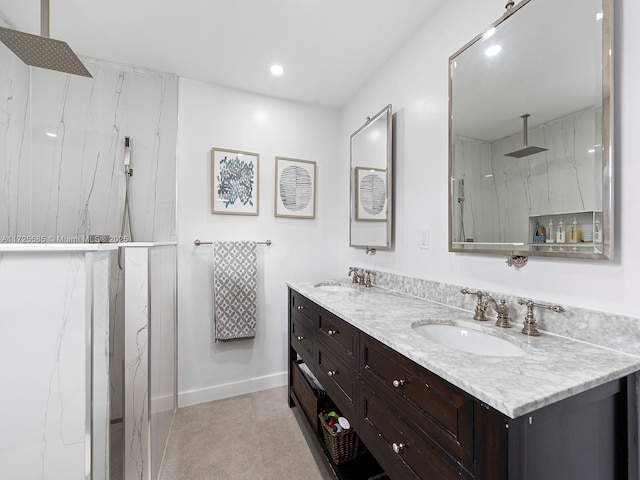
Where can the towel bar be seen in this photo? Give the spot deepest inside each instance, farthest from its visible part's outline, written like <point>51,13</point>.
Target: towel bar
<point>200,242</point>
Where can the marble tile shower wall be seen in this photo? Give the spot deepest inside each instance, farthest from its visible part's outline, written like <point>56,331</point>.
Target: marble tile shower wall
<point>501,192</point>
<point>600,328</point>
<point>61,166</point>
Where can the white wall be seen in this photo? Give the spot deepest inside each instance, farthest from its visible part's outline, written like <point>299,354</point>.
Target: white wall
<point>415,82</point>
<point>211,116</point>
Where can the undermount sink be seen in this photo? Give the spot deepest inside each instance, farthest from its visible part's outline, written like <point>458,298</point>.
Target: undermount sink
<point>333,287</point>
<point>470,339</point>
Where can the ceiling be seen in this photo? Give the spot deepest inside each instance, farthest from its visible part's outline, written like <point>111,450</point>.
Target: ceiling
<point>328,48</point>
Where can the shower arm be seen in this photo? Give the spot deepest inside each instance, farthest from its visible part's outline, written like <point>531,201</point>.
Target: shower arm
<point>525,134</point>
<point>44,18</point>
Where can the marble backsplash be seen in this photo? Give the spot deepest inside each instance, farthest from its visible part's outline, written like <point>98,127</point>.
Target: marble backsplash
<point>618,332</point>
<point>62,161</point>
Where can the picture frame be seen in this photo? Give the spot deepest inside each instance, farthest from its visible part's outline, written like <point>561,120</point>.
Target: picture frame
<point>234,182</point>
<point>295,188</point>
<point>371,194</point>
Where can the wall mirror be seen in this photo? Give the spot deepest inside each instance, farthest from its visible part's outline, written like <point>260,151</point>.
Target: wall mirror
<point>530,133</point>
<point>371,180</point>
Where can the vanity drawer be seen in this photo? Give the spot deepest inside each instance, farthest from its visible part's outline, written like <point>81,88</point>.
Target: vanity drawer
<point>440,410</point>
<point>338,336</point>
<point>338,379</point>
<point>401,451</point>
<point>302,340</point>
<point>303,310</point>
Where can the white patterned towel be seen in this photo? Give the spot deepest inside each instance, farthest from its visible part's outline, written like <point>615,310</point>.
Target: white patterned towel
<point>235,283</point>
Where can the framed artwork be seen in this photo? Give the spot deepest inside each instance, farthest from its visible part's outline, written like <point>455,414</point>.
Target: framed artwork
<point>371,194</point>
<point>234,182</point>
<point>295,188</point>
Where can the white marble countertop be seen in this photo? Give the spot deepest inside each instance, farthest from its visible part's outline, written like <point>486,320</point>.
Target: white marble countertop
<point>553,368</point>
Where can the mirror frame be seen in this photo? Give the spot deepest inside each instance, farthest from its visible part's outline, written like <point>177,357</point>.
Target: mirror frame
<point>607,147</point>
<point>386,112</point>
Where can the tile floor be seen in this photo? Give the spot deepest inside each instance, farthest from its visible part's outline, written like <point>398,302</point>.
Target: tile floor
<point>250,437</point>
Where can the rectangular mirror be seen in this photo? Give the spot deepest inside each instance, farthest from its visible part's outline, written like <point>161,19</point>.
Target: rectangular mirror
<point>530,133</point>
<point>371,180</point>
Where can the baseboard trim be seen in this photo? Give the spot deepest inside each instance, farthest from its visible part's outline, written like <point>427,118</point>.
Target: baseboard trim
<point>218,392</point>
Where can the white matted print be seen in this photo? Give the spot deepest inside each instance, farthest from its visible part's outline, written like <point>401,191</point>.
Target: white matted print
<point>295,188</point>
<point>371,194</point>
<point>234,182</point>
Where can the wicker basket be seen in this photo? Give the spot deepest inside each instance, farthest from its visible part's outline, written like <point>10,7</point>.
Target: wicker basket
<point>342,446</point>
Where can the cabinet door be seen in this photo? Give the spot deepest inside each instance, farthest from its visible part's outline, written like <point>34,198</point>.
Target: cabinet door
<point>402,452</point>
<point>303,310</point>
<point>338,336</point>
<point>338,379</point>
<point>440,410</point>
<point>303,341</point>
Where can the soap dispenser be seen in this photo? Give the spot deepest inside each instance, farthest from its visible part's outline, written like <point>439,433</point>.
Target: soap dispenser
<point>560,232</point>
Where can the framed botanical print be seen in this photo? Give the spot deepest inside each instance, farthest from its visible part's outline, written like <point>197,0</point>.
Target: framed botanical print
<point>234,182</point>
<point>295,189</point>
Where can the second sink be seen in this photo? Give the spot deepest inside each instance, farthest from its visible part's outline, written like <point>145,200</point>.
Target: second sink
<point>468,338</point>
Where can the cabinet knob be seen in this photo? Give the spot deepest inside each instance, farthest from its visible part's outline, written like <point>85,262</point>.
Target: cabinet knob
<point>397,383</point>
<point>397,447</point>
<point>300,338</point>
<point>331,373</point>
<point>332,332</point>
<point>300,307</point>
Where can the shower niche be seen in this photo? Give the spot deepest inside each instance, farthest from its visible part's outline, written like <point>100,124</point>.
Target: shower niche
<point>530,133</point>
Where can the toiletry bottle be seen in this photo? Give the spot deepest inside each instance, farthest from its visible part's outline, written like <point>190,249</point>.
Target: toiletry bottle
<point>560,232</point>
<point>597,232</point>
<point>550,231</point>
<point>576,234</point>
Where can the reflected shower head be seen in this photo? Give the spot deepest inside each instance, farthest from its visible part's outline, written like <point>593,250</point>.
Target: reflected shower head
<point>42,51</point>
<point>525,151</point>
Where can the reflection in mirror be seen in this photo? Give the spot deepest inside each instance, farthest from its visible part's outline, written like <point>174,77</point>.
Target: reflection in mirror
<point>370,224</point>
<point>530,133</point>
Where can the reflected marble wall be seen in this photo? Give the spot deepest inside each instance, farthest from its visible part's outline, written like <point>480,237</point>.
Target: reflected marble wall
<point>55,406</point>
<point>150,356</point>
<point>502,192</point>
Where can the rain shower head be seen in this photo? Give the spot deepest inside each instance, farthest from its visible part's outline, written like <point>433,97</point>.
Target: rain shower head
<point>42,51</point>
<point>526,150</point>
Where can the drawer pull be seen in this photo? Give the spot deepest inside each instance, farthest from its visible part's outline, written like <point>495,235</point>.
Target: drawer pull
<point>397,383</point>
<point>300,307</point>
<point>332,332</point>
<point>331,373</point>
<point>300,338</point>
<point>397,447</point>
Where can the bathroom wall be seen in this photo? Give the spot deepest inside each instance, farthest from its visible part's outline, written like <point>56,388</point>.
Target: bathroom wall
<point>302,249</point>
<point>414,80</point>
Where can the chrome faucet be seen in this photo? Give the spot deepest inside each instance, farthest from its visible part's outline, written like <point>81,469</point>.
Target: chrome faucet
<point>501,309</point>
<point>481,306</point>
<point>530,327</point>
<point>358,275</point>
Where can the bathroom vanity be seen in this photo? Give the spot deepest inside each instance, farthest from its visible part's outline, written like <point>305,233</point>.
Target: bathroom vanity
<point>555,409</point>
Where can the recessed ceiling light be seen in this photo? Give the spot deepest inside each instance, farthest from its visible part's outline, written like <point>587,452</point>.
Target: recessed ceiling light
<point>493,50</point>
<point>277,70</point>
<point>52,135</point>
<point>599,16</point>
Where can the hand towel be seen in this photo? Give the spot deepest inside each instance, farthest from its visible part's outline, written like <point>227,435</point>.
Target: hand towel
<point>235,283</point>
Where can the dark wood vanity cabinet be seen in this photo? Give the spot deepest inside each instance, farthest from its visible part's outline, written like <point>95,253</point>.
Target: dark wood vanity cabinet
<point>418,425</point>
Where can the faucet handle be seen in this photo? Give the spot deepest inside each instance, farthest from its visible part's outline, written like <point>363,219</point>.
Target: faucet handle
<point>480,306</point>
<point>354,271</point>
<point>367,281</point>
<point>530,327</point>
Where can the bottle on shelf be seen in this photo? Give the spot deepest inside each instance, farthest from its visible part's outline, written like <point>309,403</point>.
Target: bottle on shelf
<point>560,235</point>
<point>597,232</point>
<point>550,231</point>
<point>575,234</point>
